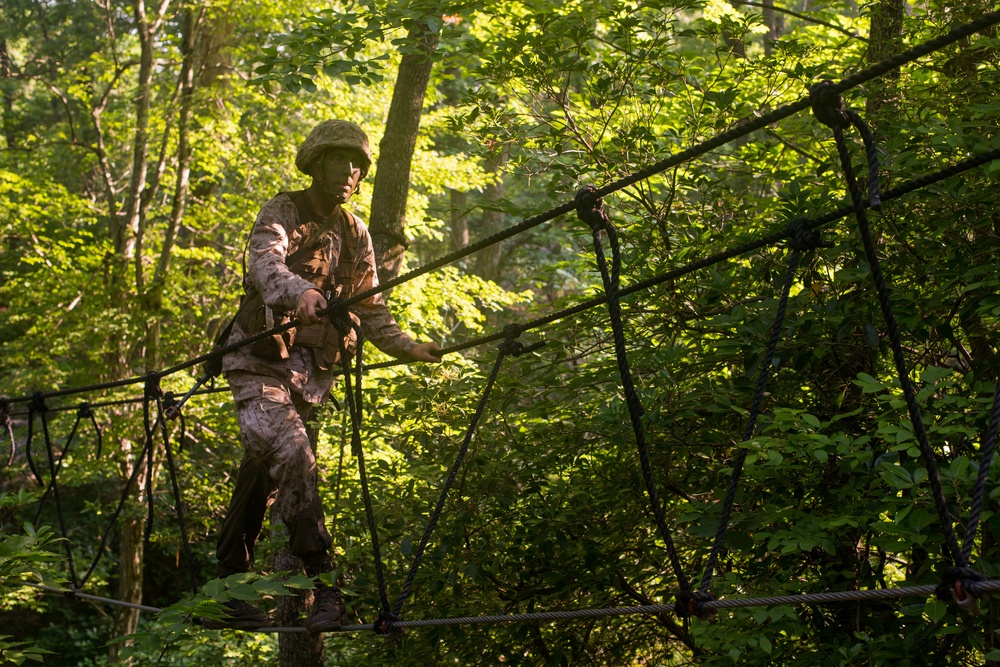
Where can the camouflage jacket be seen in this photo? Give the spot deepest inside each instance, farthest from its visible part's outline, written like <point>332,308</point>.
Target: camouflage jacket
<point>276,235</point>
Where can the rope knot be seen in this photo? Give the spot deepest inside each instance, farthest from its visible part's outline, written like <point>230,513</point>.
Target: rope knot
<point>385,624</point>
<point>151,389</point>
<point>961,586</point>
<point>37,403</point>
<point>828,105</point>
<point>511,345</point>
<point>803,239</point>
<point>213,365</point>
<point>339,315</point>
<point>692,603</point>
<point>590,209</point>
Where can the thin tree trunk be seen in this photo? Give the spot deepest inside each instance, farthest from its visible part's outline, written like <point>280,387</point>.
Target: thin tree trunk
<point>295,649</point>
<point>392,178</point>
<point>459,219</point>
<point>130,554</point>
<point>886,39</point>
<point>7,87</point>
<point>488,260</point>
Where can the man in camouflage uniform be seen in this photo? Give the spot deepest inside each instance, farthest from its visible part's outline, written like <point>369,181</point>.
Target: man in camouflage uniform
<point>304,249</point>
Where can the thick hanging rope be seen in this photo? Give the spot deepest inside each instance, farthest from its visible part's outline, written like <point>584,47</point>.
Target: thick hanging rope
<point>35,407</point>
<point>591,211</point>
<point>510,347</point>
<point>341,320</point>
<point>83,411</point>
<point>962,580</point>
<point>41,410</point>
<point>126,492</point>
<point>175,486</point>
<point>979,490</point>
<point>800,242</point>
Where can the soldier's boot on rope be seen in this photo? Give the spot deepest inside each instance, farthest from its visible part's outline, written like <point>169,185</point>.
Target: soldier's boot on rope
<point>239,615</point>
<point>328,611</point>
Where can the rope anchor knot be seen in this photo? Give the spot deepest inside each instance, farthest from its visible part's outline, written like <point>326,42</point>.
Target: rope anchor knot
<point>590,209</point>
<point>961,586</point>
<point>692,603</point>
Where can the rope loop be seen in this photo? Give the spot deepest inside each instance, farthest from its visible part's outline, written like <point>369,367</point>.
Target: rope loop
<point>339,315</point>
<point>828,105</point>
<point>37,404</point>
<point>803,239</point>
<point>692,603</point>
<point>213,365</point>
<point>590,209</point>
<point>151,389</point>
<point>385,624</point>
<point>961,586</point>
<point>871,153</point>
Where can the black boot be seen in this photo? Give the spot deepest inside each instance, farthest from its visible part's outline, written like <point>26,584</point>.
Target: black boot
<point>239,615</point>
<point>328,611</point>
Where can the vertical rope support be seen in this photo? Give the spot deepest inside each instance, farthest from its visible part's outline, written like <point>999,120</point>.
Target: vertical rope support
<point>353,405</point>
<point>506,348</point>
<point>36,402</point>
<point>590,211</point>
<point>133,476</point>
<point>178,500</point>
<point>55,469</point>
<point>42,410</point>
<point>751,425</point>
<point>979,490</point>
<point>151,392</point>
<point>829,110</point>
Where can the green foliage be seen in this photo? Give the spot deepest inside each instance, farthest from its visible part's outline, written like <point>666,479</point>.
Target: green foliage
<point>24,557</point>
<point>549,511</point>
<point>176,623</point>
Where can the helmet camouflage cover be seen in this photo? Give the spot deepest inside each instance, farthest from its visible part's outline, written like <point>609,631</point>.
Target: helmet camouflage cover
<point>333,134</point>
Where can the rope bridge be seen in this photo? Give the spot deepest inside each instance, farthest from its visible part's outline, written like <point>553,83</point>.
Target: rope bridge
<point>961,584</point>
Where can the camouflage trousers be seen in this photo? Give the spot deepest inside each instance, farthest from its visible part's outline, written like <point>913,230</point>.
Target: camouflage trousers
<point>279,467</point>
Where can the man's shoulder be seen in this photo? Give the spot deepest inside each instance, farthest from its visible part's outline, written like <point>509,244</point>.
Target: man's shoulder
<point>354,226</point>
<point>278,209</point>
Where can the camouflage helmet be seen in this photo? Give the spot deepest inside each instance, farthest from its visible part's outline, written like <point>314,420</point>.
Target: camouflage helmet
<point>333,134</point>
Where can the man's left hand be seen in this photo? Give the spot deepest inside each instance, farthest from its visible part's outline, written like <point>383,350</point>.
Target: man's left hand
<point>427,352</point>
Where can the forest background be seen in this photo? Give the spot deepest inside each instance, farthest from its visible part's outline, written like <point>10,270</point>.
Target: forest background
<point>139,141</point>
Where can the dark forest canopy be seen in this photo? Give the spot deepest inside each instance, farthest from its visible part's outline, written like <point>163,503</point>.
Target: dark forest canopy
<point>140,140</point>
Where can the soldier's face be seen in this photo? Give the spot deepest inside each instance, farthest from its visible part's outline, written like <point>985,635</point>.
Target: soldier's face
<point>340,172</point>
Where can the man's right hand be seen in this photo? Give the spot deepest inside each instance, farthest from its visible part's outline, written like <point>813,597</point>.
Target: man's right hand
<point>310,301</point>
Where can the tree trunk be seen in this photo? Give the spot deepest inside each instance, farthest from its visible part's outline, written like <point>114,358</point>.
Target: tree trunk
<point>459,219</point>
<point>775,23</point>
<point>392,177</point>
<point>303,649</point>
<point>130,553</point>
<point>886,39</point>
<point>295,649</point>
<point>7,88</point>
<point>488,260</point>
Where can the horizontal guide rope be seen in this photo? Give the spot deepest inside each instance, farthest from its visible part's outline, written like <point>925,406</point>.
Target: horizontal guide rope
<point>728,603</point>
<point>879,69</point>
<point>808,224</point>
